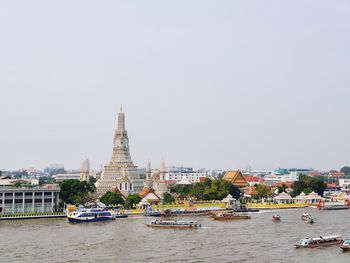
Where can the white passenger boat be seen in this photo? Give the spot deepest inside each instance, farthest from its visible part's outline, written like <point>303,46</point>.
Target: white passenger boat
<point>90,215</point>
<point>319,241</point>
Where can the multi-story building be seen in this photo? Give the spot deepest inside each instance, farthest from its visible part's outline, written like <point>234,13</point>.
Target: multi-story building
<point>29,199</point>
<point>183,173</point>
<point>70,176</point>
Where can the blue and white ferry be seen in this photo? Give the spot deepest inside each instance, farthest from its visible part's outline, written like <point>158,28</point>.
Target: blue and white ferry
<point>90,215</point>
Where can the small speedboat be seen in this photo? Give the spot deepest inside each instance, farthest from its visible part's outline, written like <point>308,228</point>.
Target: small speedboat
<point>319,241</point>
<point>276,218</point>
<point>307,218</point>
<point>90,215</point>
<point>174,224</point>
<point>345,244</point>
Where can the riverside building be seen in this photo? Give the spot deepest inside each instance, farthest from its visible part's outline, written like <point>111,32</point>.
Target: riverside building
<point>29,199</point>
<point>178,174</point>
<point>120,173</point>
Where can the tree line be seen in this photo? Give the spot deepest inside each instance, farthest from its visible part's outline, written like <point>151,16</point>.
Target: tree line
<point>216,189</point>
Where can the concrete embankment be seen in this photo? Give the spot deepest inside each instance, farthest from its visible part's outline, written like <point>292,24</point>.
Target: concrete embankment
<point>21,217</point>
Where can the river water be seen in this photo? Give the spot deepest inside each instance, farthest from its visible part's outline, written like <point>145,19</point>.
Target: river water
<point>129,240</point>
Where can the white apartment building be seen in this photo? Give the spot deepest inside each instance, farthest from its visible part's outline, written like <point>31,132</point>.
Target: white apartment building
<point>183,173</point>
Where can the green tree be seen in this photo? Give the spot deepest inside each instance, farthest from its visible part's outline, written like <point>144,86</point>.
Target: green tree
<point>132,200</point>
<point>183,191</point>
<point>168,198</point>
<point>46,180</point>
<point>198,191</point>
<point>112,198</point>
<point>75,191</point>
<point>282,188</point>
<point>263,191</point>
<point>307,184</point>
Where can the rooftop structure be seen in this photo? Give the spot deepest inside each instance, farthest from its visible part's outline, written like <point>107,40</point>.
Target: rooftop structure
<point>236,178</point>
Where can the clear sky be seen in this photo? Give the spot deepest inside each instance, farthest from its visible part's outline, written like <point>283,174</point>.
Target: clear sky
<point>214,84</point>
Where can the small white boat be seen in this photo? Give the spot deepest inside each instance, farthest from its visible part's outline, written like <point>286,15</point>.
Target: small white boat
<point>307,218</point>
<point>345,244</point>
<point>276,218</point>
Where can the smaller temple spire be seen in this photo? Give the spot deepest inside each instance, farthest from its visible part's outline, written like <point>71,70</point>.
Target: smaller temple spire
<point>121,120</point>
<point>121,108</point>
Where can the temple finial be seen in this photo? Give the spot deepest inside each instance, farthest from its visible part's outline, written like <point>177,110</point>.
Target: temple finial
<point>121,107</point>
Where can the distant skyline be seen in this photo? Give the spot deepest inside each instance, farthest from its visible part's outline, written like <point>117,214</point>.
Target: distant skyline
<point>219,85</point>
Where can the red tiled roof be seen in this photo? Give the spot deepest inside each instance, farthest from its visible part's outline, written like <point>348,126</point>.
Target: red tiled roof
<point>253,179</point>
<point>333,186</point>
<point>336,174</point>
<point>201,179</point>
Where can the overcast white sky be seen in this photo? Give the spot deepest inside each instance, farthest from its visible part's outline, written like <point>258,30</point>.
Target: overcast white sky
<point>214,84</point>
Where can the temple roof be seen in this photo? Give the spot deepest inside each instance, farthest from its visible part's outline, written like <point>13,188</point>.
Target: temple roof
<point>236,177</point>
<point>145,191</point>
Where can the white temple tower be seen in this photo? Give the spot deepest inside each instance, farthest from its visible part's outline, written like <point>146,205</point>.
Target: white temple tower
<point>120,172</point>
<point>85,170</point>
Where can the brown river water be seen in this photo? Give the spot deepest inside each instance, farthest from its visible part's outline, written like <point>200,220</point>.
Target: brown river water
<point>129,240</point>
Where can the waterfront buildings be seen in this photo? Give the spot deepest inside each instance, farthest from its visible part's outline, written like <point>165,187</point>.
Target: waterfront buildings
<point>29,199</point>
<point>120,172</point>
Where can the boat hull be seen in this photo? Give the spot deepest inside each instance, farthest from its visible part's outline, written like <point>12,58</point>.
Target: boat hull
<point>173,226</point>
<point>121,216</point>
<point>225,218</point>
<point>82,220</point>
<point>245,210</point>
<point>345,248</point>
<point>319,245</point>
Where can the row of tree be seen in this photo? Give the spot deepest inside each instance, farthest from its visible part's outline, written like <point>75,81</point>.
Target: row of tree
<point>116,199</point>
<point>208,190</point>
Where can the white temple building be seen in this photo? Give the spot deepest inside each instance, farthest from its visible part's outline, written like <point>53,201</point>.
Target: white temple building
<point>156,180</point>
<point>120,173</point>
<point>85,170</point>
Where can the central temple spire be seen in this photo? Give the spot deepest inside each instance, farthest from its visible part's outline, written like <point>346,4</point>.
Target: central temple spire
<point>121,120</point>
<point>120,172</point>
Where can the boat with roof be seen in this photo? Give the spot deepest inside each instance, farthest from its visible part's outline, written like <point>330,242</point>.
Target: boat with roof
<point>173,224</point>
<point>319,241</point>
<point>90,215</point>
<point>188,212</point>
<point>345,244</point>
<point>230,216</point>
